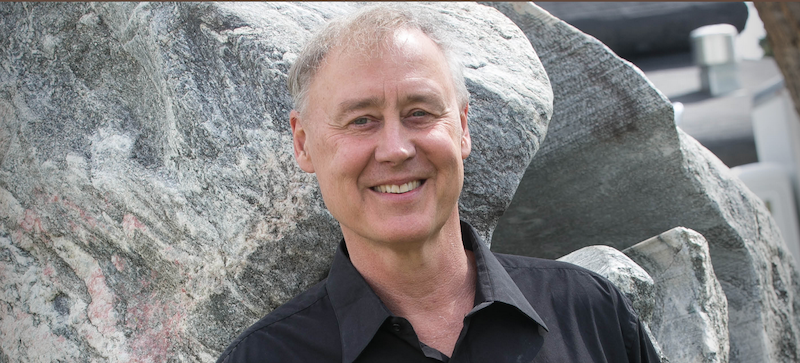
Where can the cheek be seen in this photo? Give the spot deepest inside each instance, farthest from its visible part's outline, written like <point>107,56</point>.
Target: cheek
<point>341,158</point>
<point>443,145</point>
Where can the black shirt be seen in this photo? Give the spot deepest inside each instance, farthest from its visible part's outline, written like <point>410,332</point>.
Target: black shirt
<point>526,310</point>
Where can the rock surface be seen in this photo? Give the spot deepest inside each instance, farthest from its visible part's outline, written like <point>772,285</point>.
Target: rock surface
<point>690,311</point>
<point>150,206</point>
<point>614,168</point>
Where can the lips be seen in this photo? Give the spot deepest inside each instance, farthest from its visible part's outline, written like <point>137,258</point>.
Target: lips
<point>397,189</point>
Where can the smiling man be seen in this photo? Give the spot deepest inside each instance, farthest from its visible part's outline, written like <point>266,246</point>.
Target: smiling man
<point>381,119</point>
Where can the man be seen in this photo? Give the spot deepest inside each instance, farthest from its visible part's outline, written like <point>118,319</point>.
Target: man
<point>381,119</point>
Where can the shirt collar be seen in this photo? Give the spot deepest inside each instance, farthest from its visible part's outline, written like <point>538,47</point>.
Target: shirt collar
<point>361,313</point>
<point>358,310</point>
<point>494,283</point>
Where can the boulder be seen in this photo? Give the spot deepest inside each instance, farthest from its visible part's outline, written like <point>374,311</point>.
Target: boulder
<point>671,284</point>
<point>150,205</point>
<point>614,169</point>
<point>690,311</point>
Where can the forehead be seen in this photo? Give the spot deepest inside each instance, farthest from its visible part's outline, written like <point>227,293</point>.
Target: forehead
<point>401,46</point>
<point>406,58</point>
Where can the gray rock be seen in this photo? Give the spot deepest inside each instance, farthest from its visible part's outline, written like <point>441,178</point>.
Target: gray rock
<point>614,168</point>
<point>150,205</point>
<point>690,317</point>
<point>672,286</point>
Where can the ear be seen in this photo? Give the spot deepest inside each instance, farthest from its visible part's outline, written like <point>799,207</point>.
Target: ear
<point>299,140</point>
<point>466,141</point>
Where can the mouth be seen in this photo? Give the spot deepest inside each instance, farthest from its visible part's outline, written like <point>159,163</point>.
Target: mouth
<point>398,189</point>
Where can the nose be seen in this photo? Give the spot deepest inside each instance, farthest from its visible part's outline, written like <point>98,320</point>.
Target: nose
<point>395,143</point>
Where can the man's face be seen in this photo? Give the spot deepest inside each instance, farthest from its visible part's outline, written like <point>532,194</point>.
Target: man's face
<point>386,138</point>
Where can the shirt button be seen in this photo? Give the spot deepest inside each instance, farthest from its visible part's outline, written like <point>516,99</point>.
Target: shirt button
<point>396,327</point>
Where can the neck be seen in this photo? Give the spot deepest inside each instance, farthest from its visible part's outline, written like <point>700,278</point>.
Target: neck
<point>432,285</point>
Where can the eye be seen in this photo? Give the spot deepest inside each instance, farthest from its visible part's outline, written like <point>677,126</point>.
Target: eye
<point>361,121</point>
<point>419,113</point>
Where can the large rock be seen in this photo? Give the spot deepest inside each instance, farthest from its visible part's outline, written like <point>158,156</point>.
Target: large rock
<point>690,311</point>
<point>672,286</point>
<point>614,169</point>
<point>150,206</point>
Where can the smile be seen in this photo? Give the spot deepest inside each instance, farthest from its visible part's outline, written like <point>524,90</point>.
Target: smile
<point>397,189</point>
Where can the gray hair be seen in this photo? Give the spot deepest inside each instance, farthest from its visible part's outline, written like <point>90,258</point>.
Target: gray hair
<point>365,30</point>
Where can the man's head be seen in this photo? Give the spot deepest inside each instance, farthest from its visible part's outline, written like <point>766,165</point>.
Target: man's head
<point>384,127</point>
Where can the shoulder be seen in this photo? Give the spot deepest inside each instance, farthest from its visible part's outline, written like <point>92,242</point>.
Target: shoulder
<point>559,270</point>
<point>555,280</point>
<point>287,333</point>
<point>579,305</point>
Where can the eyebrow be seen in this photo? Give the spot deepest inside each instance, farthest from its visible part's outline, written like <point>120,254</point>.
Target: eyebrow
<point>348,106</point>
<point>430,98</point>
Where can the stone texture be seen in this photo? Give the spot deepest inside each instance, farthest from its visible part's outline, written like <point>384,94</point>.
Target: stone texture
<point>150,205</point>
<point>690,311</point>
<point>672,286</point>
<point>614,169</point>
<point>633,281</point>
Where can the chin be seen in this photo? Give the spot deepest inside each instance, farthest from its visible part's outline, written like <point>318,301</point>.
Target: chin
<point>404,231</point>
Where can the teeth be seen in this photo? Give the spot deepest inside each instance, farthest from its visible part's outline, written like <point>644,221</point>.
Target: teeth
<point>397,189</point>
